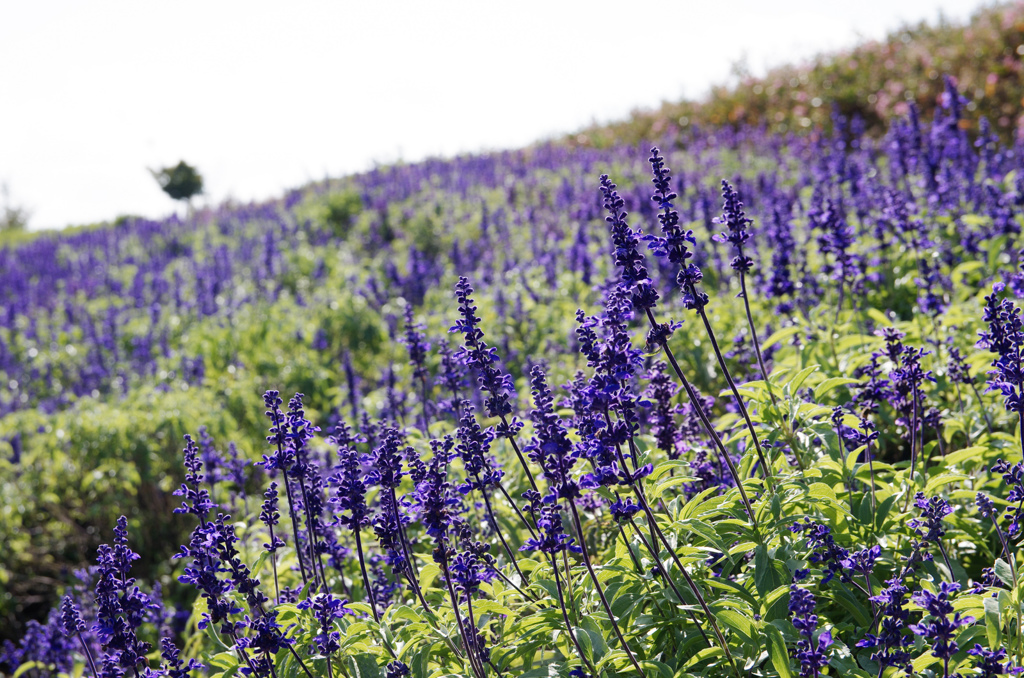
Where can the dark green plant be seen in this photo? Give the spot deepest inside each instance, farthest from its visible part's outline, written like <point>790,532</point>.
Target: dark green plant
<point>181,182</point>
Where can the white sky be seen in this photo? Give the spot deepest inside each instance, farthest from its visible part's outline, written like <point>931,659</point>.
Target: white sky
<point>264,96</point>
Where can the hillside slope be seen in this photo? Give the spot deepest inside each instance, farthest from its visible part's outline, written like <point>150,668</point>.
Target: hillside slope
<point>875,81</point>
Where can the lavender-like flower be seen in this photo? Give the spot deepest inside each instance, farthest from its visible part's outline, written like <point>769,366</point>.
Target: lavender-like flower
<point>929,526</point>
<point>121,605</point>
<point>1013,477</point>
<point>673,245</point>
<point>451,379</point>
<point>173,665</point>
<point>1005,338</point>
<point>270,516</point>
<point>432,494</point>
<point>266,640</point>
<point>397,669</point>
<point>660,391</point>
<point>416,343</point>
<point>941,629</point>
<point>350,489</point>
<point>551,447</point>
<point>992,663</point>
<point>826,552</point>
<point>812,657</point>
<point>326,608</point>
<point>892,641</point>
<point>552,538</point>
<point>626,253</point>
<point>478,355</point>
<point>474,448</point>
<point>197,500</point>
<point>71,617</point>
<point>736,221</point>
<point>74,626</point>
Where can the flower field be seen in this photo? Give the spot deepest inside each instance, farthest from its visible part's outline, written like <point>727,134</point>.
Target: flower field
<point>729,403</point>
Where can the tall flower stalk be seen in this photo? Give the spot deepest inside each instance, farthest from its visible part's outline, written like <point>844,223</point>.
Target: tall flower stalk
<point>635,279</point>
<point>498,387</point>
<point>737,222</point>
<point>673,247</point>
<point>556,456</point>
<point>1005,338</point>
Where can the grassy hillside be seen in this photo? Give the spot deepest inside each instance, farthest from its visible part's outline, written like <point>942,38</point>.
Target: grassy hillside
<point>750,408</point>
<point>874,81</point>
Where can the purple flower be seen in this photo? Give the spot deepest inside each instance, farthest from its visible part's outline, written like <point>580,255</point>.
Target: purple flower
<point>941,628</point>
<point>387,528</point>
<point>350,490</point>
<point>474,448</point>
<point>660,391</point>
<point>672,245</point>
<point>1013,477</point>
<point>70,617</point>
<point>552,538</point>
<point>174,666</point>
<point>386,461</point>
<point>623,510</point>
<point>929,526</point>
<point>397,669</point>
<point>1005,338</point>
<point>551,447</point>
<point>416,343</point>
<point>736,221</point>
<point>826,552</point>
<point>121,605</point>
<point>992,663</point>
<point>812,657</point>
<point>863,561</point>
<point>197,501</point>
<point>433,492</point>
<point>326,608</point>
<point>479,356</point>
<point>270,517</point>
<point>626,252</point>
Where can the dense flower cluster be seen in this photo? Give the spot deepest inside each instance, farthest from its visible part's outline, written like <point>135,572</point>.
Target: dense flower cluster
<point>643,530</point>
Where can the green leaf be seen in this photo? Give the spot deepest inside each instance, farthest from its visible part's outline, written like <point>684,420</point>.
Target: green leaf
<point>800,377</point>
<point>853,605</point>
<point>28,666</point>
<point>765,577</point>
<point>830,384</point>
<point>777,651</point>
<point>968,453</point>
<point>596,637</point>
<point>884,507</point>
<point>781,335</point>
<point>492,607</point>
<point>1004,572</point>
<point>993,623</point>
<point>738,623</point>
<point>924,661</point>
<point>586,643</point>
<point>223,660</point>
<point>428,572</point>
<point>405,612</point>
<point>942,479</point>
<point>362,666</point>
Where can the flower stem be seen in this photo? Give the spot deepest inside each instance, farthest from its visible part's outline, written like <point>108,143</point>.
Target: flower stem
<point>565,614</point>
<point>736,393</point>
<point>753,335</point>
<point>600,591</point>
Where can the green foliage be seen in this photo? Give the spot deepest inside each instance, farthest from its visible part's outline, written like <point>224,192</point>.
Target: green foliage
<point>874,80</point>
<point>180,182</point>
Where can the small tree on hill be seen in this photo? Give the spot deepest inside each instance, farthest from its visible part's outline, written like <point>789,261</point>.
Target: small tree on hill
<point>181,182</point>
<point>12,219</point>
